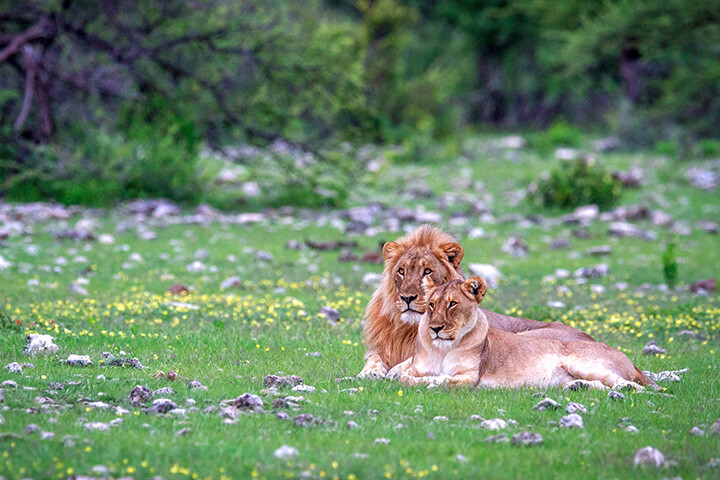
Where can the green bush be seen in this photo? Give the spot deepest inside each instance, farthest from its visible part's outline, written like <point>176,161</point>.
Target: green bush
<point>559,134</point>
<point>670,265</point>
<point>289,176</point>
<point>578,182</point>
<point>156,155</point>
<point>709,148</point>
<point>667,147</point>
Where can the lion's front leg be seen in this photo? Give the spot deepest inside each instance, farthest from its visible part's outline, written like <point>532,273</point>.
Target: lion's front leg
<point>400,369</point>
<point>464,378</point>
<point>374,367</point>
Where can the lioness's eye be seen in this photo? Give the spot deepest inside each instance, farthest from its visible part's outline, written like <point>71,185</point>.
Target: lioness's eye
<point>401,271</point>
<point>431,305</point>
<point>453,303</point>
<point>427,271</point>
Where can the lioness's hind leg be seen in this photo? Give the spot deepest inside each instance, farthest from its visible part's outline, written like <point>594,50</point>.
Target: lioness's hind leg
<point>593,372</point>
<point>628,385</point>
<point>576,385</point>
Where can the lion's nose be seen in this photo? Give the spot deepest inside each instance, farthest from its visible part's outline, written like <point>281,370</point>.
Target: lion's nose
<point>437,329</point>
<point>409,299</point>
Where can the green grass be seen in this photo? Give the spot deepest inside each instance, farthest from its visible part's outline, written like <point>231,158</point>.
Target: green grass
<point>238,336</point>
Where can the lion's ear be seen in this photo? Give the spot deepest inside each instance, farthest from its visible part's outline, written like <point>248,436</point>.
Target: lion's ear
<point>454,253</point>
<point>390,249</point>
<point>475,288</point>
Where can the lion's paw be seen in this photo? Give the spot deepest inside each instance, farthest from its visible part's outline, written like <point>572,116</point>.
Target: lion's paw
<point>373,371</point>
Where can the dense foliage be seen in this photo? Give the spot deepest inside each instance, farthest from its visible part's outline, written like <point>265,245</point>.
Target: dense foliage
<point>322,72</point>
<point>578,182</point>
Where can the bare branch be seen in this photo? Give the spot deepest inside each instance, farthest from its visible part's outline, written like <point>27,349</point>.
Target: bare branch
<point>39,30</point>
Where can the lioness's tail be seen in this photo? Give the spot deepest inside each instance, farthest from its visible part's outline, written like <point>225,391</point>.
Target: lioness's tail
<point>643,379</point>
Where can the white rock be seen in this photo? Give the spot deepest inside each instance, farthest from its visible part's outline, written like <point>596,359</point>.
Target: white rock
<point>488,272</point>
<point>494,424</point>
<point>303,388</point>
<point>104,427</point>
<point>4,264</point>
<point>649,456</point>
<point>106,239</point>
<point>196,266</point>
<point>285,452</point>
<point>40,344</point>
<point>14,367</point>
<point>78,360</point>
<point>372,279</point>
<point>566,153</point>
<point>572,420</point>
<point>232,282</point>
<point>586,213</point>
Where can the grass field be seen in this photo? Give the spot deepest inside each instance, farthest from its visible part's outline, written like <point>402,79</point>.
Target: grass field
<point>230,339</point>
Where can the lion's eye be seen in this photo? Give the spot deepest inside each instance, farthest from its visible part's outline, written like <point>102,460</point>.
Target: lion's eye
<point>401,271</point>
<point>427,271</point>
<point>452,304</point>
<point>431,305</point>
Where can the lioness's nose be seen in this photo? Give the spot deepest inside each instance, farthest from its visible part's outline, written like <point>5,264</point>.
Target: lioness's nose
<point>437,329</point>
<point>409,299</point>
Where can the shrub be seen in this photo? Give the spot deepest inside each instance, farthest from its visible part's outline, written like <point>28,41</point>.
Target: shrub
<point>578,182</point>
<point>559,134</point>
<point>289,176</point>
<point>155,156</point>
<point>667,147</point>
<point>709,148</point>
<point>670,265</point>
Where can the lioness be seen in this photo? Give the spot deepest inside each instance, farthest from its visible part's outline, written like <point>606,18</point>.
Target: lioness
<point>397,305</point>
<point>455,344</point>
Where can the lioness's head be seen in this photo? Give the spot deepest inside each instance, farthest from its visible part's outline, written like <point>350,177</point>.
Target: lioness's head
<point>452,308</point>
<point>426,253</point>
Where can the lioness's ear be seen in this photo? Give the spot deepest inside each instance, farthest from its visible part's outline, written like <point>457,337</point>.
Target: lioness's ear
<point>390,249</point>
<point>454,253</point>
<point>475,288</point>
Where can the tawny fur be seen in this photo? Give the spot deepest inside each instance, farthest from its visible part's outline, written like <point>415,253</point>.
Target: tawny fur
<point>390,340</point>
<point>455,344</point>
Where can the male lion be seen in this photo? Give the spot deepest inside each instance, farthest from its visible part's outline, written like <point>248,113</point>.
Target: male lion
<point>455,344</point>
<point>397,305</point>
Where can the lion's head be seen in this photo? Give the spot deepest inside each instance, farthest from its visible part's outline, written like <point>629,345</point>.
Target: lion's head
<point>452,308</point>
<point>428,252</point>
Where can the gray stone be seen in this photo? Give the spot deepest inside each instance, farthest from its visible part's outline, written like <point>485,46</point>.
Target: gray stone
<point>332,314</point>
<point>78,360</point>
<point>163,405</point>
<point>494,424</point>
<point>572,420</point>
<point>248,401</point>
<point>14,367</point>
<point>286,452</point>
<point>527,439</point>
<point>649,456</point>
<point>40,344</point>
<point>573,407</point>
<point>489,273</point>
<point>139,394</point>
<point>652,348</point>
<point>546,404</point>
<point>499,438</point>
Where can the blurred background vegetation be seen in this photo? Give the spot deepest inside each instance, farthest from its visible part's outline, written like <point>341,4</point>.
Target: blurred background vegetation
<point>105,101</point>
